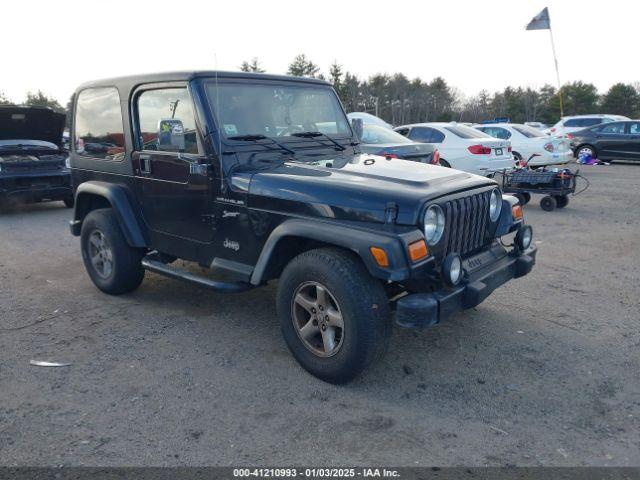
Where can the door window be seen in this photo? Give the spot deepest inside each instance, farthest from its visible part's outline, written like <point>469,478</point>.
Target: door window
<point>166,121</point>
<point>497,132</point>
<point>613,128</point>
<point>98,124</point>
<point>634,128</point>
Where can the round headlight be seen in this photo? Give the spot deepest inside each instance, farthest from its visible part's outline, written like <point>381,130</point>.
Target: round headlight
<point>524,237</point>
<point>433,224</point>
<point>67,162</point>
<point>452,269</point>
<point>495,205</point>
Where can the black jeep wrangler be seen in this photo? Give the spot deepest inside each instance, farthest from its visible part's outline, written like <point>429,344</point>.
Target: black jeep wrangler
<point>33,162</point>
<point>261,177</point>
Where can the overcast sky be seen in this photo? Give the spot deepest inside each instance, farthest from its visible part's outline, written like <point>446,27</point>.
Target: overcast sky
<point>474,45</point>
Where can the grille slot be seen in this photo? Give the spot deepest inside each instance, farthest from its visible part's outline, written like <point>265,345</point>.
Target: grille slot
<point>466,223</point>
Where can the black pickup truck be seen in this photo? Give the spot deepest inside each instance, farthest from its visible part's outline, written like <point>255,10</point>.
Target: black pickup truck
<point>261,177</point>
<point>33,164</point>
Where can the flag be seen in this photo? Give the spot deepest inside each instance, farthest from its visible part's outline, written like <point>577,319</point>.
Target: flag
<point>540,21</point>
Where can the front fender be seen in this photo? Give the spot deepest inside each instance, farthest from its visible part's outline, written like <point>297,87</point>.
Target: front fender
<point>118,200</point>
<point>358,240</point>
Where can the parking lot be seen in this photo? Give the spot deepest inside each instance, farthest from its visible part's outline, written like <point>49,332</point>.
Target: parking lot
<point>545,372</point>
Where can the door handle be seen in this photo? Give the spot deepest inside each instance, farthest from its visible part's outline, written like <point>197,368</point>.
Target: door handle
<point>145,163</point>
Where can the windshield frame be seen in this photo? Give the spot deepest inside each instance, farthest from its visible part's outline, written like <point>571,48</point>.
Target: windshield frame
<point>210,104</point>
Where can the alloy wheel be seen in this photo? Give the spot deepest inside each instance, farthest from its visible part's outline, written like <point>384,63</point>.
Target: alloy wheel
<point>317,319</point>
<point>100,254</point>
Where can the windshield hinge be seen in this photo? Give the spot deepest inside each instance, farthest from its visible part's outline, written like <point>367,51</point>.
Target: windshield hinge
<point>390,213</point>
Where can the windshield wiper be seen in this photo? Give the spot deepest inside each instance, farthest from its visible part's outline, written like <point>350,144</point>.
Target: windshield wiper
<point>258,136</point>
<point>319,134</point>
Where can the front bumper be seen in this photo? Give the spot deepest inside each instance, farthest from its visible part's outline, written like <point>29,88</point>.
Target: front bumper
<point>32,186</point>
<point>484,273</point>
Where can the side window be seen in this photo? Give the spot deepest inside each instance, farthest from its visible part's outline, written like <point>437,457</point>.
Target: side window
<point>503,133</point>
<point>615,128</point>
<point>98,124</point>
<point>436,136</point>
<point>403,131</point>
<point>634,128</point>
<point>589,122</point>
<point>166,121</point>
<point>420,134</point>
<point>573,122</point>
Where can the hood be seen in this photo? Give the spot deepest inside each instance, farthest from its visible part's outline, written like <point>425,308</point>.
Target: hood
<point>31,123</point>
<point>356,187</point>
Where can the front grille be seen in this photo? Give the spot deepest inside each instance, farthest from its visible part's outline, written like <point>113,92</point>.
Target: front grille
<point>466,225</point>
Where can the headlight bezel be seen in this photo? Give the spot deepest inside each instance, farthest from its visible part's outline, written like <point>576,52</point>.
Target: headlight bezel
<point>433,217</point>
<point>497,208</point>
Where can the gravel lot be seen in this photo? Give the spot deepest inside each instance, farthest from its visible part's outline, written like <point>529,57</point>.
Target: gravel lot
<point>545,372</point>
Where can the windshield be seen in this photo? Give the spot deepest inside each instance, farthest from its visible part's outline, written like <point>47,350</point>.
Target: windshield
<point>276,110</point>
<point>25,143</point>
<point>466,132</point>
<point>528,131</point>
<point>375,134</point>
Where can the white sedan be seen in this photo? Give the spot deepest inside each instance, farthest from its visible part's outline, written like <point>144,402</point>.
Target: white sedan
<point>462,147</point>
<point>527,141</point>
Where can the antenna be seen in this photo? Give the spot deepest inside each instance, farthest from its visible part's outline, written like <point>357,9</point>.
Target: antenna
<point>220,156</point>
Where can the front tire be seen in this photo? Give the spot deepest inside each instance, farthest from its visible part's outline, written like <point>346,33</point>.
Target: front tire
<point>69,202</point>
<point>334,315</point>
<point>113,265</point>
<point>443,163</point>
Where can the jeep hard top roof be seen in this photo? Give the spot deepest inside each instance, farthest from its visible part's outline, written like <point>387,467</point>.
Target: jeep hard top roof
<point>132,81</point>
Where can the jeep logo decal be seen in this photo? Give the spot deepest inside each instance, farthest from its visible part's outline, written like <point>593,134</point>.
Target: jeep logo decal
<point>231,244</point>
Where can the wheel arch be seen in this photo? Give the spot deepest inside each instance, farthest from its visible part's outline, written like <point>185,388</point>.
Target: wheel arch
<point>94,195</point>
<point>295,236</point>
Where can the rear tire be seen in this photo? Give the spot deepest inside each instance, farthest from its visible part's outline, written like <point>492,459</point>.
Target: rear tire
<point>334,315</point>
<point>561,201</point>
<point>588,149</point>
<point>113,266</point>
<point>527,197</point>
<point>548,203</point>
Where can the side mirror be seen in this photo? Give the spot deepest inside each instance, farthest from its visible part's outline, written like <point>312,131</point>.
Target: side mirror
<point>358,126</point>
<point>170,135</point>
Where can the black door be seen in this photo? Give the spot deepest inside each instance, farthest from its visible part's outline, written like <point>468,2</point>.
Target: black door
<point>171,171</point>
<point>632,141</point>
<point>610,140</point>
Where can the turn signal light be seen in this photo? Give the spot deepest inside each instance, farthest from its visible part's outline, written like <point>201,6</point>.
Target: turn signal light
<point>517,212</point>
<point>389,156</point>
<point>380,256</point>
<point>418,250</point>
<point>435,158</point>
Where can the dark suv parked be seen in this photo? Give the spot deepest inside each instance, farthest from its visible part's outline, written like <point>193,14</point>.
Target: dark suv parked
<point>261,177</point>
<point>32,161</point>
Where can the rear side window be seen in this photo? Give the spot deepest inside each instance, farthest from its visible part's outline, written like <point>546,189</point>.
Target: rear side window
<point>98,124</point>
<point>497,132</point>
<point>634,128</point>
<point>420,134</point>
<point>166,121</point>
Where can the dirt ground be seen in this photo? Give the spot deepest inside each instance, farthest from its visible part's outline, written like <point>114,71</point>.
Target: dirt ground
<point>545,372</point>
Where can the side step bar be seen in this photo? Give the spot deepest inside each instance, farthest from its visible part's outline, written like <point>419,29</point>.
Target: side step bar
<point>151,263</point>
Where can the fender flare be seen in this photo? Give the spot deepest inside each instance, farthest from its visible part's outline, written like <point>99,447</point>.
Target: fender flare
<point>358,240</point>
<point>117,197</point>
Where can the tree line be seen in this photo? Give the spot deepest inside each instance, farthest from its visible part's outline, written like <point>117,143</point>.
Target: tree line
<point>399,99</point>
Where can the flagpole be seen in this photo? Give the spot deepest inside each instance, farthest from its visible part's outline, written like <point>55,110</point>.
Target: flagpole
<point>555,60</point>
